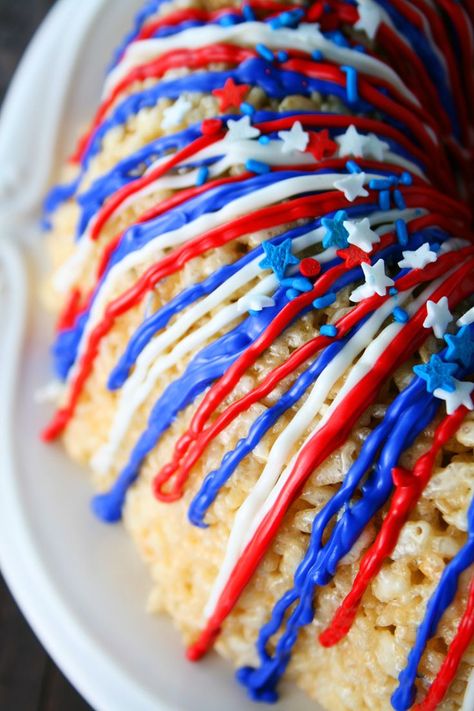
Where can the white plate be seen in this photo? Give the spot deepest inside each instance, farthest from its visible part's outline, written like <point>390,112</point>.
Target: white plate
<point>80,583</point>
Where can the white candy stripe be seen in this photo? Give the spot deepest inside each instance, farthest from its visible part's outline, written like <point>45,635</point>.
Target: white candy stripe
<point>149,367</point>
<point>233,153</point>
<point>236,153</point>
<point>269,485</point>
<point>154,248</point>
<point>468,703</point>
<point>248,516</point>
<point>467,318</point>
<point>305,38</point>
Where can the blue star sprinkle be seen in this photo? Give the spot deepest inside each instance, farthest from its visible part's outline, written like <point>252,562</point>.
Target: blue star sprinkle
<point>336,234</point>
<point>460,347</point>
<point>437,374</point>
<point>278,257</point>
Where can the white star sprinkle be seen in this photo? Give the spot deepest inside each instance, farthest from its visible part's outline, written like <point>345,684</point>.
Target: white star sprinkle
<point>352,186</point>
<point>351,142</point>
<point>361,234</point>
<point>376,282</point>
<point>294,140</point>
<point>418,258</point>
<point>438,316</point>
<point>357,144</point>
<point>241,129</point>
<point>460,396</point>
<point>174,115</point>
<point>467,318</point>
<point>375,148</point>
<point>254,302</point>
<point>370,17</point>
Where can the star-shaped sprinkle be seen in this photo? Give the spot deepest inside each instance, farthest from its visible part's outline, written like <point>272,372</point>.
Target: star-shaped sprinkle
<point>336,234</point>
<point>370,17</point>
<point>321,145</point>
<point>418,258</point>
<point>467,318</point>
<point>241,130</point>
<point>174,115</point>
<point>254,302</point>
<point>437,374</point>
<point>361,146</point>
<point>295,139</point>
<point>438,316</point>
<point>278,257</point>
<point>231,94</point>
<point>351,142</point>
<point>375,148</point>
<point>352,186</point>
<point>461,395</point>
<point>460,347</point>
<point>361,235</point>
<point>376,282</point>
<point>353,256</point>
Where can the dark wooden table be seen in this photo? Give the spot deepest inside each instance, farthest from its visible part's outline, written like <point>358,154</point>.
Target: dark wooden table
<point>29,680</point>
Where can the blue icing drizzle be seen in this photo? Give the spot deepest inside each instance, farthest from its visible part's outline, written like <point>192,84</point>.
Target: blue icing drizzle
<point>188,296</point>
<point>422,48</point>
<point>136,236</point>
<point>216,479</point>
<point>315,567</point>
<point>140,18</point>
<point>125,171</point>
<point>404,696</point>
<point>208,365</point>
<point>277,83</point>
<point>407,416</point>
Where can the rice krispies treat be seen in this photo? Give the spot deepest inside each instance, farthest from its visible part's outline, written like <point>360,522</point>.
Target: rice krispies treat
<point>361,672</point>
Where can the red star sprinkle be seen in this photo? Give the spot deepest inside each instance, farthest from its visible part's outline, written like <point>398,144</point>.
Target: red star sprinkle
<point>321,145</point>
<point>353,256</point>
<point>310,267</point>
<point>231,94</point>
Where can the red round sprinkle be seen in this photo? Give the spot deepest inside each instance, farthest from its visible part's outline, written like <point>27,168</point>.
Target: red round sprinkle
<point>211,126</point>
<point>310,267</point>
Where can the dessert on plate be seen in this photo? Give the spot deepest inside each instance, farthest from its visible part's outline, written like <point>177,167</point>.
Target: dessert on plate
<point>262,262</point>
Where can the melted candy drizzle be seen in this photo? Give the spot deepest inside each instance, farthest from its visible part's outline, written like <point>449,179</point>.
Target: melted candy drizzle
<point>392,161</point>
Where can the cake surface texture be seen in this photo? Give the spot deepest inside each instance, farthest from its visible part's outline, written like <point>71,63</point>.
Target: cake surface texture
<point>263,272</point>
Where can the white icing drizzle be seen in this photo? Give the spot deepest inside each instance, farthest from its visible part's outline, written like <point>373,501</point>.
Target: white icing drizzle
<point>270,483</point>
<point>150,366</point>
<point>152,251</point>
<point>233,153</point>
<point>306,38</point>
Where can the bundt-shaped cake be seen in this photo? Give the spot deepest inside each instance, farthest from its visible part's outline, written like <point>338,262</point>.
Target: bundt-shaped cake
<point>263,258</point>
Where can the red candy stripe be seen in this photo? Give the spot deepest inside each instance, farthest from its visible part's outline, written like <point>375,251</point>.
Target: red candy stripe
<point>408,488</point>
<point>450,665</point>
<point>322,444</point>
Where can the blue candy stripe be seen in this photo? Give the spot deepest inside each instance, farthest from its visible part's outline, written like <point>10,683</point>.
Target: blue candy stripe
<point>442,597</point>
<point>405,419</point>
<point>126,170</point>
<point>276,82</point>
<point>216,479</point>
<point>205,367</point>
<point>138,235</point>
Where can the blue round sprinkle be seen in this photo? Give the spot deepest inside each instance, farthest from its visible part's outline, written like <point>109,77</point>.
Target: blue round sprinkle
<point>247,108</point>
<point>257,166</point>
<point>328,330</point>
